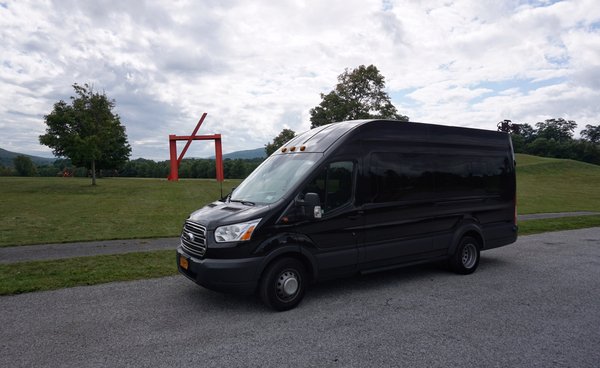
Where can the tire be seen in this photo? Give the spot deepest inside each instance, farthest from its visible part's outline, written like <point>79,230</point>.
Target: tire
<point>466,258</point>
<point>283,284</point>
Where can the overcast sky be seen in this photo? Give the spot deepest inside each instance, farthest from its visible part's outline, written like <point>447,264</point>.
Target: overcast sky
<point>257,66</point>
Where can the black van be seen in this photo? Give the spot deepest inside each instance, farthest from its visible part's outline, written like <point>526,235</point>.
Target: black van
<point>355,196</point>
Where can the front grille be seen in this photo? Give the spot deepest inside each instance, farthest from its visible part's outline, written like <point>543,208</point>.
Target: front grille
<point>193,238</point>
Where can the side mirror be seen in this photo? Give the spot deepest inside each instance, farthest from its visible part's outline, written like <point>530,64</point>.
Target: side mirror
<point>311,206</point>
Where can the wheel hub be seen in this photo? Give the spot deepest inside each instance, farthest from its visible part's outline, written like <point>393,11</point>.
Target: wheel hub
<point>287,284</point>
<point>469,255</point>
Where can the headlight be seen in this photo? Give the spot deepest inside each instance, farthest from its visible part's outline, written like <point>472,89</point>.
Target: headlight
<point>236,232</point>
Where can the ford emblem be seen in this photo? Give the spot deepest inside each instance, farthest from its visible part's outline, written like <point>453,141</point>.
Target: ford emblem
<point>190,236</point>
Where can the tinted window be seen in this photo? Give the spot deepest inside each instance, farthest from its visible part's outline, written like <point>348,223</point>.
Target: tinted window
<point>462,175</point>
<point>399,177</point>
<point>333,185</point>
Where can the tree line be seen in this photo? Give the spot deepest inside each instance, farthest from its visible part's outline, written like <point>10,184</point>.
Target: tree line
<point>555,138</point>
<point>138,168</point>
<point>189,168</point>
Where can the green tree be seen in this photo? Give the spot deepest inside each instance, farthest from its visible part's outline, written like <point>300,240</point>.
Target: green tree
<point>359,94</point>
<point>285,136</point>
<point>543,147</point>
<point>591,133</point>
<point>87,131</point>
<point>5,171</point>
<point>24,166</point>
<point>588,152</point>
<point>560,130</point>
<point>527,132</point>
<point>237,170</point>
<point>518,143</point>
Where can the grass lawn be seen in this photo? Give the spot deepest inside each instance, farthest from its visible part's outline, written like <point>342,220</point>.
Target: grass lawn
<point>48,275</point>
<point>555,185</point>
<point>557,224</point>
<point>55,210</point>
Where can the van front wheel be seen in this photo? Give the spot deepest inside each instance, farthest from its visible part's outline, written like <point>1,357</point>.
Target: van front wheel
<point>283,284</point>
<point>466,258</point>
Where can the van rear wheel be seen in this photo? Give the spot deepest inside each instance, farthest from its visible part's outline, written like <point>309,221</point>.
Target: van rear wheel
<point>283,284</point>
<point>466,258</point>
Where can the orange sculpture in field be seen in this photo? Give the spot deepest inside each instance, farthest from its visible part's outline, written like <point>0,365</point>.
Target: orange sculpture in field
<point>175,161</point>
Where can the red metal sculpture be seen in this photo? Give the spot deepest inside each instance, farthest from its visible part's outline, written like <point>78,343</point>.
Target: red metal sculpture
<point>175,161</point>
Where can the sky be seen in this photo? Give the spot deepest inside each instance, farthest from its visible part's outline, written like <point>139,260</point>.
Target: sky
<point>257,67</point>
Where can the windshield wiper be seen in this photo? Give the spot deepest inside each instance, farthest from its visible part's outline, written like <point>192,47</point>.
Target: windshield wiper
<point>247,203</point>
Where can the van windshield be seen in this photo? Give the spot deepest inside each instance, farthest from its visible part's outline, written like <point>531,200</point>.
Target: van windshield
<point>274,177</point>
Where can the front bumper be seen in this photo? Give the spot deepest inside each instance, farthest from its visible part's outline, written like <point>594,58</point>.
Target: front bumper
<point>239,276</point>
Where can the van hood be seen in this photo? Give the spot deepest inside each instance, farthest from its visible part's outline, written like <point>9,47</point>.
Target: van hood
<point>220,213</point>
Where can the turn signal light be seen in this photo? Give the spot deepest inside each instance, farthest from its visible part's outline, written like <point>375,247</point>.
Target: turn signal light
<point>248,233</point>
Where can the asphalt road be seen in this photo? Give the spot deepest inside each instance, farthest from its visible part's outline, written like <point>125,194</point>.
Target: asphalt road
<point>43,252</point>
<point>535,303</point>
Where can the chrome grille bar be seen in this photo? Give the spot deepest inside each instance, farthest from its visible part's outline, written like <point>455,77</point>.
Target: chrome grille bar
<point>193,238</point>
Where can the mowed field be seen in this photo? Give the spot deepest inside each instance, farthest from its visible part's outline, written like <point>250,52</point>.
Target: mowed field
<point>556,185</point>
<point>55,210</point>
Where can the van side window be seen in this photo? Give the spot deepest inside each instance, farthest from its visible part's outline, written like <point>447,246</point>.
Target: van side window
<point>397,176</point>
<point>333,185</point>
<point>461,175</point>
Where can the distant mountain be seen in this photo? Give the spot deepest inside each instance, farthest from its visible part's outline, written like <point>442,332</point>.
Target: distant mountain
<point>7,157</point>
<point>246,154</point>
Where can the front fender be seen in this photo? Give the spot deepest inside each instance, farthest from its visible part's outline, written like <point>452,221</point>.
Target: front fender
<point>287,244</point>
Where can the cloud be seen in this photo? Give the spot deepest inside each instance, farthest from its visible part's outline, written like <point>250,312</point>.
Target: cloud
<point>258,67</point>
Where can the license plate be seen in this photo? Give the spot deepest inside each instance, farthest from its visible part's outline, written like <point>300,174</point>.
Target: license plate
<point>183,263</point>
